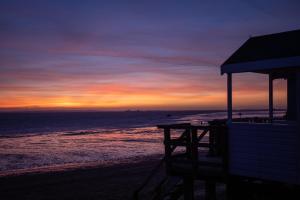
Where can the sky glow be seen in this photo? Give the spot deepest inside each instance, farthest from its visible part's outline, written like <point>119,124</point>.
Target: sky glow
<point>116,55</point>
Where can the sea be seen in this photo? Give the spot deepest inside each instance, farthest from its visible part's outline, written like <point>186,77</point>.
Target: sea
<point>39,141</point>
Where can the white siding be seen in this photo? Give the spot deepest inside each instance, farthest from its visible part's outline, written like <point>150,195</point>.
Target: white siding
<point>267,151</point>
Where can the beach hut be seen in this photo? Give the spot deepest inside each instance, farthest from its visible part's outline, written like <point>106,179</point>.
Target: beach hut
<point>270,150</point>
<point>240,152</point>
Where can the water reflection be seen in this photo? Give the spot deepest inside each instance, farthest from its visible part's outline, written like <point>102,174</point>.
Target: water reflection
<point>93,146</point>
<point>78,147</point>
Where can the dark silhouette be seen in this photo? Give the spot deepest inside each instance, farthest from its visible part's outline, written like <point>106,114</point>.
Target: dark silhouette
<point>255,158</point>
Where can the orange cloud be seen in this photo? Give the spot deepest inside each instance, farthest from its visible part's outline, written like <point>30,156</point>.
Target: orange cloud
<point>139,96</point>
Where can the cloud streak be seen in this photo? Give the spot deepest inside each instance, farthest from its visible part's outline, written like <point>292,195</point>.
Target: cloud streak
<point>117,55</point>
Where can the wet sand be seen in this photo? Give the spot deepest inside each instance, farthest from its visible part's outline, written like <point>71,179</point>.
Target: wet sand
<point>109,182</point>
<point>115,182</point>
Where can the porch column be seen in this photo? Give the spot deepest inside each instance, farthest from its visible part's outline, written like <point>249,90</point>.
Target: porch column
<point>292,97</point>
<point>229,97</point>
<point>298,98</point>
<point>270,97</point>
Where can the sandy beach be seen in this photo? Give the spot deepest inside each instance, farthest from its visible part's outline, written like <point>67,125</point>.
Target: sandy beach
<point>115,182</point>
<point>109,182</point>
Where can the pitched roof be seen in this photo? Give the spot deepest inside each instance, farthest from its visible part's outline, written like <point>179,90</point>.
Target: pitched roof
<point>279,46</point>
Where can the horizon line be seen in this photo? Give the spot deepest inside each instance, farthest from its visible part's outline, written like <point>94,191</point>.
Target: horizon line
<point>53,109</point>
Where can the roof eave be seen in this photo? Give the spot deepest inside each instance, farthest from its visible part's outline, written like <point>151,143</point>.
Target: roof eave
<point>261,65</point>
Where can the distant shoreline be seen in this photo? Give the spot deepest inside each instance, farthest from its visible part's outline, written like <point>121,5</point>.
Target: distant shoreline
<point>120,111</point>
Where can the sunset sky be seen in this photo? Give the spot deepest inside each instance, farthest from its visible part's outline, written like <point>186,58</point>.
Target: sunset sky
<point>118,55</point>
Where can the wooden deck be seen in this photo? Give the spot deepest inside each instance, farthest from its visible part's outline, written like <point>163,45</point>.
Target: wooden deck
<point>202,150</point>
<point>191,153</point>
<point>196,152</point>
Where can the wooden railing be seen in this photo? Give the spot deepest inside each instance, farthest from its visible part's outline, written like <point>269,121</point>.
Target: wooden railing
<point>252,120</point>
<point>191,139</point>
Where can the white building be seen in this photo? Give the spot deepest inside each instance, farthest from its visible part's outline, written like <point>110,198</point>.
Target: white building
<point>267,151</point>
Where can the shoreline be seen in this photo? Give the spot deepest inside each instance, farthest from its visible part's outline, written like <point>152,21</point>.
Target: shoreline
<point>77,166</point>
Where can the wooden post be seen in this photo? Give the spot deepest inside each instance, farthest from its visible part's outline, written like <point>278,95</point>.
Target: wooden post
<point>188,185</point>
<point>188,142</point>
<point>219,139</point>
<point>270,97</point>
<point>168,151</point>
<point>292,97</point>
<point>210,190</point>
<point>298,99</point>
<point>224,148</point>
<point>211,138</point>
<point>230,189</point>
<point>229,97</point>
<point>195,150</point>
